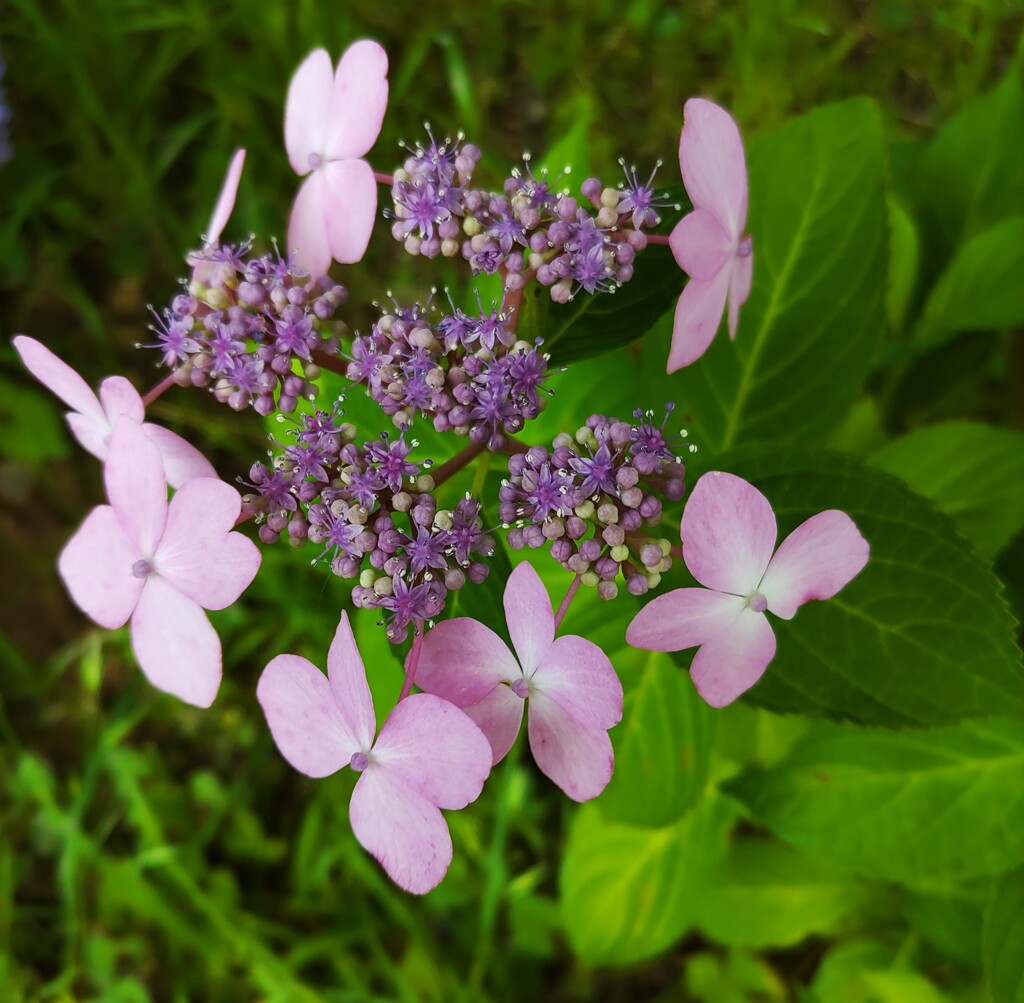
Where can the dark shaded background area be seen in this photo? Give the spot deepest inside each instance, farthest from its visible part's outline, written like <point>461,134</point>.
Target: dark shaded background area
<point>114,873</point>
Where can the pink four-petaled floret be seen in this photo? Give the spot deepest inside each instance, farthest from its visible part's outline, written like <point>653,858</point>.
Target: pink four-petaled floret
<point>428,756</point>
<point>710,244</point>
<point>160,565</point>
<point>332,118</point>
<point>729,533</point>
<point>575,695</point>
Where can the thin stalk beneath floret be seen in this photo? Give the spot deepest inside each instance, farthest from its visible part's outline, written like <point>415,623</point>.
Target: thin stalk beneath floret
<point>451,467</point>
<point>413,661</point>
<point>383,179</point>
<point>658,238</point>
<point>564,606</point>
<point>166,383</point>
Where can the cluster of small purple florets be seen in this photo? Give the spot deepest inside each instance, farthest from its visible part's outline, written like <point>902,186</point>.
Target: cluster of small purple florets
<point>528,229</point>
<point>591,497</point>
<point>248,328</point>
<point>347,500</point>
<point>466,372</point>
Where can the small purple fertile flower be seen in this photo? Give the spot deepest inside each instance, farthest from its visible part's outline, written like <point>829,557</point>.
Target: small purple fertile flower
<point>294,334</point>
<point>598,471</point>
<point>408,603</point>
<point>174,338</point>
<point>426,550</point>
<point>649,438</point>
<point>391,460</point>
<point>640,199</point>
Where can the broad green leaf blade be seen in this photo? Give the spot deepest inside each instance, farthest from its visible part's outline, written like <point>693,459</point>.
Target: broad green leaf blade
<point>1002,939</point>
<point>950,920</point>
<point>904,258</point>
<point>922,636</point>
<point>816,312</point>
<point>973,472</point>
<point>910,807</point>
<point>768,895</point>
<point>629,893</point>
<point>662,746</point>
<point>981,289</point>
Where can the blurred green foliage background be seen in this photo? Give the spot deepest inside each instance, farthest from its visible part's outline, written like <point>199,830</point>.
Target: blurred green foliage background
<point>150,851</point>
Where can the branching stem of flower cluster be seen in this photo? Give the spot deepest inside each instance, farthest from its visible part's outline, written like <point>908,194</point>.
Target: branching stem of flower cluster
<point>413,661</point>
<point>166,383</point>
<point>566,602</point>
<point>451,467</point>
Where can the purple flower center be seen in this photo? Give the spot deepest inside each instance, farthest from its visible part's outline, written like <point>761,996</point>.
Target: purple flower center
<point>757,602</point>
<point>142,569</point>
<point>521,688</point>
<point>359,761</point>
<point>746,247</point>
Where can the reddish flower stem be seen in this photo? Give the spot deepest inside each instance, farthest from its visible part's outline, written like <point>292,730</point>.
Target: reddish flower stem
<point>658,238</point>
<point>413,661</point>
<point>383,179</point>
<point>331,362</point>
<point>676,552</point>
<point>451,467</point>
<point>166,383</point>
<point>564,606</point>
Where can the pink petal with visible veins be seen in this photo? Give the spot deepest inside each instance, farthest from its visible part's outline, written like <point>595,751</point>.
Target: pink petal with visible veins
<point>499,715</point>
<point>700,245</point>
<point>698,314</point>
<point>307,110</point>
<point>731,662</point>
<point>359,99</point>
<point>462,661</point>
<point>198,554</point>
<point>175,646</point>
<point>713,165</point>
<point>96,566</point>
<point>182,461</point>
<point>815,561</point>
<point>728,530</point>
<point>306,722</point>
<point>531,622</point>
<point>58,377</point>
<point>683,619</point>
<point>226,199</point>
<point>577,675</point>
<point>577,759</point>
<point>350,200</point>
<point>404,831</point>
<point>739,288</point>
<point>435,750</point>
<point>348,684</point>
<point>307,226</point>
<point>136,486</point>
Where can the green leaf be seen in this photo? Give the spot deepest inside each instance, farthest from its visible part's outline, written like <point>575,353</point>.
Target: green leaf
<point>662,746</point>
<point>910,807</point>
<point>904,255</point>
<point>1002,936</point>
<point>768,895</point>
<point>816,312</point>
<point>950,920</point>
<point>629,893</point>
<point>973,472</point>
<point>921,636</point>
<point>981,288</point>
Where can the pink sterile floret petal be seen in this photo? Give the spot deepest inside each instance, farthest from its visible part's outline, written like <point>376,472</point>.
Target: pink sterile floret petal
<point>350,203</point>
<point>304,718</point>
<point>119,397</point>
<point>698,314</point>
<point>815,561</point>
<point>577,759</point>
<point>348,684</point>
<point>96,566</point>
<point>701,245</point>
<point>435,750</point>
<point>136,485</point>
<point>226,199</point>
<point>307,108</point>
<point>402,830</point>
<point>683,618</point>
<point>176,648</point>
<point>462,661</point>
<point>307,226</point>
<point>182,461</point>
<point>731,662</point>
<point>531,622</point>
<point>712,163</point>
<point>729,531</point>
<point>359,99</point>
<point>499,715</point>
<point>58,377</point>
<point>198,554</point>
<point>577,675</point>
<point>740,278</point>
